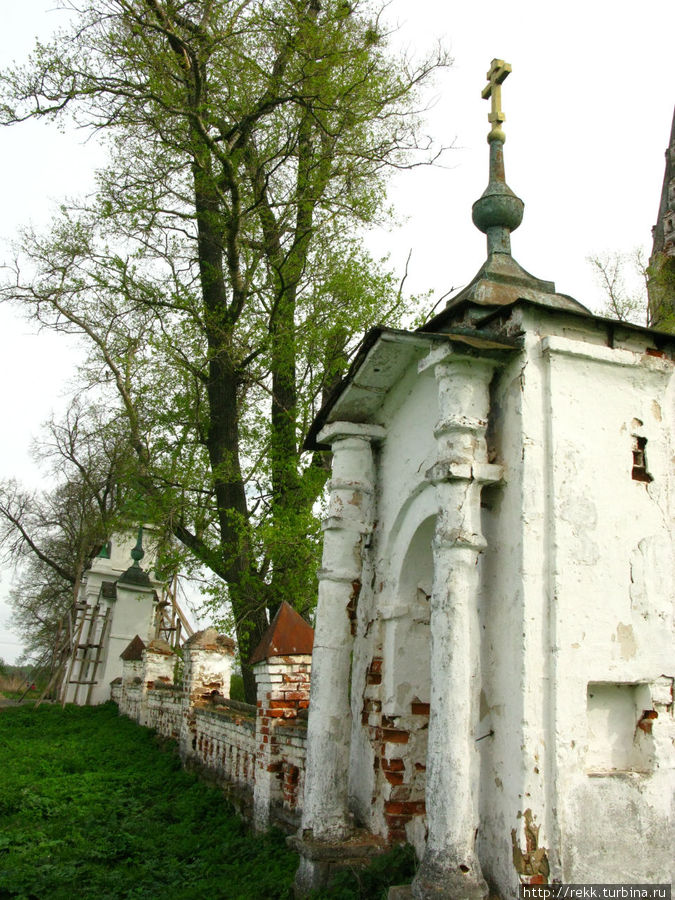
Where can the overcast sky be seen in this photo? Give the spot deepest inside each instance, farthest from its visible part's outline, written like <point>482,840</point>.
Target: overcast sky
<point>588,110</point>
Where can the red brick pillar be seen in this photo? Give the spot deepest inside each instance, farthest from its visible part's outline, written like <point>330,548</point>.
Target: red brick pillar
<point>282,665</point>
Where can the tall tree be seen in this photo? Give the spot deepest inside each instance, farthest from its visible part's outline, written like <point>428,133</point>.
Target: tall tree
<point>219,273</point>
<point>622,279</point>
<point>52,535</point>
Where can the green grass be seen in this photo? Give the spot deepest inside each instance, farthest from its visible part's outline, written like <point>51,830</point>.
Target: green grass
<point>94,806</point>
<point>90,807</point>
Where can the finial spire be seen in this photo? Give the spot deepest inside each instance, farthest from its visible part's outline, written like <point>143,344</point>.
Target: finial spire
<point>498,212</point>
<point>135,574</point>
<point>138,553</point>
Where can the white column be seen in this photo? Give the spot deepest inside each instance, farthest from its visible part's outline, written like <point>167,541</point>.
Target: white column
<point>450,867</point>
<point>349,521</point>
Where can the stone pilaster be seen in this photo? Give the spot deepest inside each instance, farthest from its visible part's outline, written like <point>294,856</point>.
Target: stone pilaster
<point>207,670</point>
<point>450,867</point>
<point>350,519</point>
<point>158,664</point>
<point>282,688</point>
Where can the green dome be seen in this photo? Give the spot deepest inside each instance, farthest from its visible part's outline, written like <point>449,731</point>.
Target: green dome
<point>498,207</point>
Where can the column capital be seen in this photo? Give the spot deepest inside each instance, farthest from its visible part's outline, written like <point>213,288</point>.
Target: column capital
<point>339,431</point>
<point>482,473</point>
<point>450,355</point>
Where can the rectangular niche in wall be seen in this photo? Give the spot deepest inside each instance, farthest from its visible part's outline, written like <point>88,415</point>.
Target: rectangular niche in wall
<point>615,742</point>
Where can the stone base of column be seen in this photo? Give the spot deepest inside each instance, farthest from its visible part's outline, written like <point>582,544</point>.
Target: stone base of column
<point>321,860</point>
<point>400,892</point>
<point>441,876</point>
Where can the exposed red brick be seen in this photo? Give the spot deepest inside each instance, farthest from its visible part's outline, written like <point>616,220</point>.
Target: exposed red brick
<point>373,678</point>
<point>394,777</point>
<point>420,767</point>
<point>400,791</point>
<point>274,767</point>
<point>417,708</point>
<point>303,704</point>
<point>397,821</point>
<point>651,351</point>
<point>364,718</point>
<point>393,765</point>
<point>296,695</point>
<point>376,664</point>
<point>395,736</point>
<point>393,807</point>
<point>414,807</point>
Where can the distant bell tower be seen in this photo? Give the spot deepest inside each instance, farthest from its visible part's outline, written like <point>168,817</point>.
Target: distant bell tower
<point>661,284</point>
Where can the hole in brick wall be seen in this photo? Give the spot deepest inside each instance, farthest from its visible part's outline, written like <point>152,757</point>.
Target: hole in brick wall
<point>639,471</point>
<point>619,728</point>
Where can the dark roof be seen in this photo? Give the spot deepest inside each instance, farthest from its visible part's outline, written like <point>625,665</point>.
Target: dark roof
<point>134,651</point>
<point>501,281</point>
<point>135,575</point>
<point>109,590</point>
<point>383,356</point>
<point>287,635</point>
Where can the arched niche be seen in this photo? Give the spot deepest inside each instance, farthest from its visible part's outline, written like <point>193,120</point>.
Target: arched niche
<point>406,670</point>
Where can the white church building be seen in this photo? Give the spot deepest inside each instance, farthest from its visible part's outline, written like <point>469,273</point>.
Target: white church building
<point>492,676</point>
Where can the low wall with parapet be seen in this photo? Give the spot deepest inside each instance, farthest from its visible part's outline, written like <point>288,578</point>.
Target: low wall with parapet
<point>256,753</point>
<point>164,710</point>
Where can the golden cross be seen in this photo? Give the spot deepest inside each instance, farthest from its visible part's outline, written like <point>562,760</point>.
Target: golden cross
<point>498,72</point>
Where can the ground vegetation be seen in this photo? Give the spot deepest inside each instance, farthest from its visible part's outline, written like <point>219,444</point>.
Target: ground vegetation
<point>94,806</point>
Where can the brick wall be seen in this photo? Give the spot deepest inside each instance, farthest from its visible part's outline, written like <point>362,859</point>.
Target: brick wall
<point>165,710</point>
<point>281,738</point>
<point>256,753</point>
<point>399,744</point>
<point>130,700</point>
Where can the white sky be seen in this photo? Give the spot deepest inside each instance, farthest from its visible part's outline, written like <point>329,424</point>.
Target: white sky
<point>588,110</point>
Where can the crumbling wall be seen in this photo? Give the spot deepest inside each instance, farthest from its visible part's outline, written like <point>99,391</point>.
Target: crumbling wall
<point>165,710</point>
<point>130,700</point>
<point>256,753</point>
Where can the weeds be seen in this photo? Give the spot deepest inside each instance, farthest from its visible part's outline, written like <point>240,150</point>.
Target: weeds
<point>91,808</point>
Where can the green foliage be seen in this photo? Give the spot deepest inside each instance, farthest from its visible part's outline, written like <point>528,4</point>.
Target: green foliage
<point>372,882</point>
<point>218,272</point>
<point>91,807</point>
<point>237,687</point>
